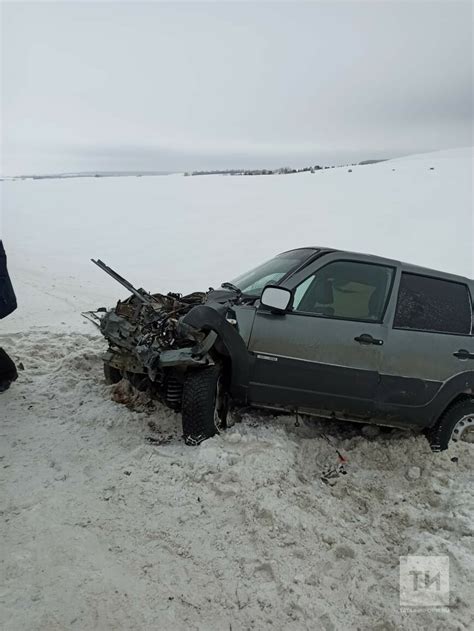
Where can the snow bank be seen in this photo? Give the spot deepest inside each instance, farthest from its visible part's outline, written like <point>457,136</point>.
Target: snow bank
<point>110,522</point>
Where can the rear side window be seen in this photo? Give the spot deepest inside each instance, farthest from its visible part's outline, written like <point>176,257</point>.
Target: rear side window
<point>433,304</point>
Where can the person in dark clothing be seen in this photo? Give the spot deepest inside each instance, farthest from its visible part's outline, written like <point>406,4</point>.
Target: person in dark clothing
<point>8,372</point>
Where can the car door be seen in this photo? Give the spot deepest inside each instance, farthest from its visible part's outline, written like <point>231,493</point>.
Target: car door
<point>429,345</point>
<point>325,352</point>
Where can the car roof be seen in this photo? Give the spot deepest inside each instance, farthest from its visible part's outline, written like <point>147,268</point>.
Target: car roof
<point>406,267</point>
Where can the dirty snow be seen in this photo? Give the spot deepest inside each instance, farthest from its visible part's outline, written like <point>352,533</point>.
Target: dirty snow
<point>110,522</point>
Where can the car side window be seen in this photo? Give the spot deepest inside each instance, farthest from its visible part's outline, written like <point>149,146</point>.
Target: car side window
<point>348,290</point>
<point>433,304</point>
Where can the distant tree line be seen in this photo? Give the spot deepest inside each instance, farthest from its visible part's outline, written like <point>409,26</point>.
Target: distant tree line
<point>280,171</point>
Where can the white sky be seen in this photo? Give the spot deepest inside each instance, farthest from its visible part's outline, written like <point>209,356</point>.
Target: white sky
<point>173,86</point>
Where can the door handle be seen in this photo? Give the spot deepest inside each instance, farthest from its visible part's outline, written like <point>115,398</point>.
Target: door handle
<point>463,354</point>
<point>365,338</point>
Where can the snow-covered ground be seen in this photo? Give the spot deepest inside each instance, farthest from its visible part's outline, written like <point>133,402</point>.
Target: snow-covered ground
<point>110,522</point>
<point>186,233</point>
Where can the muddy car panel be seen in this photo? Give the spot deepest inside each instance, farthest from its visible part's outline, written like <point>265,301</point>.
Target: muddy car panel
<point>316,362</point>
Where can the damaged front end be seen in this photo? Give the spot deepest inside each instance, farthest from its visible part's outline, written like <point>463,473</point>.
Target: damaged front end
<point>147,337</point>
<point>149,344</point>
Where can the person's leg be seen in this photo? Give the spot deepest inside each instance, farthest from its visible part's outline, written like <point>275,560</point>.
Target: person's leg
<point>8,372</point>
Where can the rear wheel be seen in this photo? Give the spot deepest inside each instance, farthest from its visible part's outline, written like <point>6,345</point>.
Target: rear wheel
<point>455,425</point>
<point>204,406</point>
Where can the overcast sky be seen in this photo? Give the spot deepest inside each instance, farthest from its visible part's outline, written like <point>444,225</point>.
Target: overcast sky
<point>176,86</point>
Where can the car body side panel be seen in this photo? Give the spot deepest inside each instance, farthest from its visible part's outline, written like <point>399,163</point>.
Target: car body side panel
<point>420,373</point>
<point>311,385</point>
<point>245,316</point>
<point>419,356</point>
<point>412,413</point>
<point>314,362</point>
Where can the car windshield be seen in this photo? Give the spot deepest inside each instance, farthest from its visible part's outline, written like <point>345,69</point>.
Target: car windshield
<point>271,271</point>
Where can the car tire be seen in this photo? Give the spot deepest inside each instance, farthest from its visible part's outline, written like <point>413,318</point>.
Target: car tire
<point>111,374</point>
<point>201,412</point>
<point>452,424</point>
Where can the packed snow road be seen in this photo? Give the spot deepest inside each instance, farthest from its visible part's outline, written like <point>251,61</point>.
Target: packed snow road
<point>110,522</point>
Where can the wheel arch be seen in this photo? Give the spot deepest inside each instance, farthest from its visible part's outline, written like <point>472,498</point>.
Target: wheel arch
<point>235,357</point>
<point>440,434</point>
<point>463,396</point>
<point>458,388</point>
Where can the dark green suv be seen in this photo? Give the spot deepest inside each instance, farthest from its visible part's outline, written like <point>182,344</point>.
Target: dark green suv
<point>315,331</point>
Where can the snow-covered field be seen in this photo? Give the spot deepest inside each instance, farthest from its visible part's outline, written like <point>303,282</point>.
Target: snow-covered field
<point>110,522</point>
<point>186,233</point>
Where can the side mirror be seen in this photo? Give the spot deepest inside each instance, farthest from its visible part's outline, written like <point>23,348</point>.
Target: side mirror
<point>276,298</point>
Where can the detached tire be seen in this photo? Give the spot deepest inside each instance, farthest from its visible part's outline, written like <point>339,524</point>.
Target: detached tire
<point>201,412</point>
<point>453,425</point>
<point>112,375</point>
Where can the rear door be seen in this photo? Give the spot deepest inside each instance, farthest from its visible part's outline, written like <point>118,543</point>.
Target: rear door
<point>326,352</point>
<point>429,343</point>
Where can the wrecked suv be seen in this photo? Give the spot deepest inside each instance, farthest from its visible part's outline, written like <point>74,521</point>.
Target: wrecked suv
<point>312,331</point>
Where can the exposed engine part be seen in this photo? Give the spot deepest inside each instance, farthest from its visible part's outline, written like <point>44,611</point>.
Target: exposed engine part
<point>145,329</point>
<point>150,342</point>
